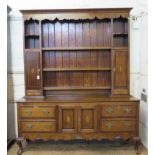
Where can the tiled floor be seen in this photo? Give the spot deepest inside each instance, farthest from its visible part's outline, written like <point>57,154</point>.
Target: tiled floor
<point>76,148</point>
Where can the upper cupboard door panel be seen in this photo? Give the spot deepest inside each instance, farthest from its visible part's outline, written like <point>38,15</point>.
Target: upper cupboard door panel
<point>75,34</point>
<point>32,70</point>
<point>120,72</point>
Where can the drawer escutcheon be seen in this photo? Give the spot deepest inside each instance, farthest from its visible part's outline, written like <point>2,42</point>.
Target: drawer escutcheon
<point>46,112</point>
<point>29,125</point>
<point>109,110</point>
<point>127,125</point>
<point>47,126</point>
<point>109,125</point>
<point>127,110</point>
<point>28,112</point>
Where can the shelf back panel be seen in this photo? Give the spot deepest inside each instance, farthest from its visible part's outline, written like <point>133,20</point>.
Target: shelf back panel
<point>77,79</point>
<point>77,59</point>
<point>74,34</point>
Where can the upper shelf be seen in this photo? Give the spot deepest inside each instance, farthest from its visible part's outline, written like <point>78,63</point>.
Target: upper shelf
<point>75,48</point>
<point>120,34</point>
<point>76,88</point>
<point>66,49</point>
<point>77,69</point>
<point>32,36</point>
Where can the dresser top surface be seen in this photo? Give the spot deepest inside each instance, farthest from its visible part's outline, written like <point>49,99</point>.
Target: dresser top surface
<point>74,98</point>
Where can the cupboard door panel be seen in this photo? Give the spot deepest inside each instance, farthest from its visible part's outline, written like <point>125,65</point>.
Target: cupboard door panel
<point>32,70</point>
<point>67,119</point>
<point>120,78</point>
<point>87,119</point>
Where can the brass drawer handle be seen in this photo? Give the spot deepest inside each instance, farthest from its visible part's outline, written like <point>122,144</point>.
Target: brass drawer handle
<point>109,110</point>
<point>28,112</point>
<point>29,125</point>
<point>109,125</point>
<point>46,112</point>
<point>47,126</point>
<point>127,110</point>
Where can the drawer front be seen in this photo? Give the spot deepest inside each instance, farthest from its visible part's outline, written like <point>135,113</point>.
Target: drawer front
<point>117,125</point>
<point>118,110</point>
<point>29,126</point>
<point>38,112</point>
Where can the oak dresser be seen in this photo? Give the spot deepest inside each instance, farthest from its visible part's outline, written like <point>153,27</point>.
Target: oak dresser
<point>77,77</point>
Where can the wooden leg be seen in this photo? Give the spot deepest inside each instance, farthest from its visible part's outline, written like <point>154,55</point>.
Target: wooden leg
<point>20,141</point>
<point>138,145</point>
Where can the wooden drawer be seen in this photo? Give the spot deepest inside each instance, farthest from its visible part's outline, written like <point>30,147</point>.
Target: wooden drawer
<point>117,125</point>
<point>38,112</point>
<point>30,126</point>
<point>118,110</point>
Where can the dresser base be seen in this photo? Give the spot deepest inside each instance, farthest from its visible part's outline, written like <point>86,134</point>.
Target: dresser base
<point>78,118</point>
<point>137,143</point>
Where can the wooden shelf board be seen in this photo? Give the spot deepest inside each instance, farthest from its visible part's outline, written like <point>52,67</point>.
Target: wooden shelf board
<point>75,48</point>
<point>76,69</point>
<point>32,49</point>
<point>33,35</point>
<point>119,34</point>
<point>119,48</point>
<point>75,88</point>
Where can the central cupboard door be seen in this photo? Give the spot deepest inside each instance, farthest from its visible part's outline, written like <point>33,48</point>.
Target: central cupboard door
<point>87,116</point>
<point>74,119</point>
<point>67,119</point>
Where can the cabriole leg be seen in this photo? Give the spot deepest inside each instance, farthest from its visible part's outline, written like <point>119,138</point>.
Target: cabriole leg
<point>138,145</point>
<point>20,141</point>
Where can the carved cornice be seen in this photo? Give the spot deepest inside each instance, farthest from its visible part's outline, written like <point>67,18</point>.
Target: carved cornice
<point>76,14</point>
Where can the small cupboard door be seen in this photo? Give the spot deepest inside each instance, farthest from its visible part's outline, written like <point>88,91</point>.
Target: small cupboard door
<point>87,116</point>
<point>32,72</point>
<point>120,72</point>
<point>67,119</point>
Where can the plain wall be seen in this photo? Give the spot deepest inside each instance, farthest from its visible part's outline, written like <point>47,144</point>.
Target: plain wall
<point>138,47</point>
